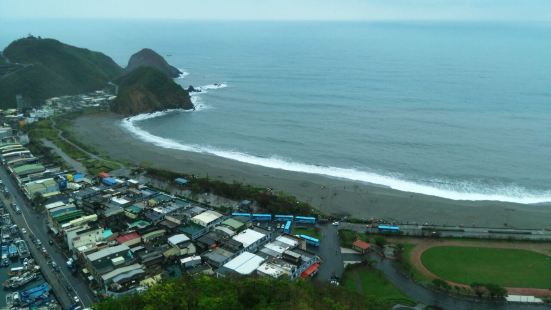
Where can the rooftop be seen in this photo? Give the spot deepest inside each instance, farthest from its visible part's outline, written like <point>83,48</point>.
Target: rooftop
<point>177,239</point>
<point>248,237</point>
<point>207,217</point>
<point>245,263</point>
<point>107,251</point>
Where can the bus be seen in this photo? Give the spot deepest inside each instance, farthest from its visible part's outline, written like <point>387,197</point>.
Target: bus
<point>287,228</point>
<point>305,219</point>
<point>283,218</point>
<point>310,240</point>
<point>388,229</point>
<point>262,217</point>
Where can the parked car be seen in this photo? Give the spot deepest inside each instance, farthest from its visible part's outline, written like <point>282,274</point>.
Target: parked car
<point>23,230</point>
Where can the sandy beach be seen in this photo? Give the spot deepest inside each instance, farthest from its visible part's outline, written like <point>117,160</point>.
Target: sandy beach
<point>330,195</point>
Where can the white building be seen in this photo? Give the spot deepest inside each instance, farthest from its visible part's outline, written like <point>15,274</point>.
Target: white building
<point>245,263</point>
<point>251,239</point>
<point>207,218</point>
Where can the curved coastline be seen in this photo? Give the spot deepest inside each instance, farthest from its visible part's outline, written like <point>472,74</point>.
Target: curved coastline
<point>522,197</point>
<point>330,195</point>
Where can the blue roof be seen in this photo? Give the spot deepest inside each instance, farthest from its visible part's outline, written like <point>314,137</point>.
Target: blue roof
<point>109,181</point>
<point>388,227</point>
<point>181,181</point>
<point>107,233</point>
<point>306,237</point>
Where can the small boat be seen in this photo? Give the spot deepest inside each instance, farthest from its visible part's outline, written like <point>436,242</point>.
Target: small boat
<point>17,282</point>
<point>5,262</point>
<point>35,295</point>
<point>22,249</point>
<point>12,251</point>
<point>15,271</point>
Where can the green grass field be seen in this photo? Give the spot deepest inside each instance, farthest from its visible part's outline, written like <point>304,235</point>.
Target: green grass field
<point>370,282</point>
<point>506,267</point>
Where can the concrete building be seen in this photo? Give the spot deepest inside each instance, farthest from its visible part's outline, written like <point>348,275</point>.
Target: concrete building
<point>251,239</point>
<point>207,219</point>
<point>245,263</point>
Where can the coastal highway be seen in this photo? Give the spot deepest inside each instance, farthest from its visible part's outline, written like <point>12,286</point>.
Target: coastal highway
<point>35,224</point>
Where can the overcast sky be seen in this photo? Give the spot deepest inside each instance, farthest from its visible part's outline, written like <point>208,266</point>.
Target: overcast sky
<point>501,10</point>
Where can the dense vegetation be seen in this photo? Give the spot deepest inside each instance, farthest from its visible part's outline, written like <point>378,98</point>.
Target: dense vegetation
<point>149,58</point>
<point>266,199</point>
<point>242,293</point>
<point>51,68</point>
<point>146,89</point>
<point>506,267</point>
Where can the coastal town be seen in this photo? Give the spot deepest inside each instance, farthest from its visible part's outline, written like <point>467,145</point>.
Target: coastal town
<point>70,239</point>
<point>97,236</point>
<point>96,212</point>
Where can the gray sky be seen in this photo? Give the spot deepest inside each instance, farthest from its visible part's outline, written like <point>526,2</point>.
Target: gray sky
<point>501,10</point>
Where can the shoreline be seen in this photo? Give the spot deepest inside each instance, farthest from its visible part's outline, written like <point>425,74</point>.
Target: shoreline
<point>329,195</point>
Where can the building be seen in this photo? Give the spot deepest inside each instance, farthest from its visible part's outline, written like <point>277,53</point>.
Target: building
<point>251,239</point>
<point>86,237</point>
<point>108,259</point>
<point>123,278</point>
<point>218,257</point>
<point>360,246</point>
<point>245,263</point>
<point>129,239</point>
<point>207,219</point>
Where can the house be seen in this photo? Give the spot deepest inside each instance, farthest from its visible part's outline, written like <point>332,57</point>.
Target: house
<point>360,246</point>
<point>123,278</point>
<point>129,239</point>
<point>107,259</point>
<point>218,257</point>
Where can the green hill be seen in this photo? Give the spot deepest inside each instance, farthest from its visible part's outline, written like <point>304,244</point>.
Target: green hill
<point>238,293</point>
<point>145,90</point>
<point>51,68</point>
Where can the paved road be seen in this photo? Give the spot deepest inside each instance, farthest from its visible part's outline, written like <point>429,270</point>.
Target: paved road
<point>76,165</point>
<point>49,275</point>
<point>329,251</point>
<point>35,223</point>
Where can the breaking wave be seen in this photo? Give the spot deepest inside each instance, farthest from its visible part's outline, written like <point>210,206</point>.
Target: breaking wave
<point>439,188</point>
<point>183,74</point>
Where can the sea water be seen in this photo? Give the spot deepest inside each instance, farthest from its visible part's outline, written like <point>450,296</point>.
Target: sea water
<point>456,110</point>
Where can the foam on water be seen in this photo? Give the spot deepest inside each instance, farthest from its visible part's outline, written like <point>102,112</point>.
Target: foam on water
<point>183,74</point>
<point>439,188</point>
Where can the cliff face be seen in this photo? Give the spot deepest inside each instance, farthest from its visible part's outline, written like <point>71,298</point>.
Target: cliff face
<point>149,58</point>
<point>44,68</point>
<point>146,90</point>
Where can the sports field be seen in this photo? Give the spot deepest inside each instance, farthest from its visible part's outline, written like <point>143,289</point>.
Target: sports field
<point>506,267</point>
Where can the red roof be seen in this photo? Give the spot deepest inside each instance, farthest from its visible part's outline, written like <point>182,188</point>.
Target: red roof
<point>103,175</point>
<point>361,244</point>
<point>310,270</point>
<point>124,238</point>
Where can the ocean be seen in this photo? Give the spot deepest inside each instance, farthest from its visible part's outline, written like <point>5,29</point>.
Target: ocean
<point>456,110</point>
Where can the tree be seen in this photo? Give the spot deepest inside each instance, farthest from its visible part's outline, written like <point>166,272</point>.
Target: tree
<point>495,290</point>
<point>441,284</point>
<point>380,241</point>
<point>478,289</point>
